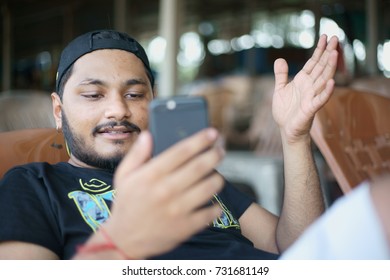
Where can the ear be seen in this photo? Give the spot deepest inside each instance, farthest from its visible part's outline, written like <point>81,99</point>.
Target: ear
<point>57,109</point>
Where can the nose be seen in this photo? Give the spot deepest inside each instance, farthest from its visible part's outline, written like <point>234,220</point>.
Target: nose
<point>117,108</point>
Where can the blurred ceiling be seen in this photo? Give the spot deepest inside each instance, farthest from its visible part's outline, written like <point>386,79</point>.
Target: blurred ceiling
<point>37,23</point>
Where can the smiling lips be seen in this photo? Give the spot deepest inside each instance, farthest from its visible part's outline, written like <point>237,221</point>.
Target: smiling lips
<point>117,132</point>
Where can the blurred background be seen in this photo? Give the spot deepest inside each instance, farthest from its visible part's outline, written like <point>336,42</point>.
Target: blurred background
<point>214,37</point>
<point>221,49</point>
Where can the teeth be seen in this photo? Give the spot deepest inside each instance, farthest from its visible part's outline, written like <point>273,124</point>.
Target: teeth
<point>116,132</point>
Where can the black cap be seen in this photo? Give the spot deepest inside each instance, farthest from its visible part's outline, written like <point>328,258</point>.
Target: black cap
<point>97,40</point>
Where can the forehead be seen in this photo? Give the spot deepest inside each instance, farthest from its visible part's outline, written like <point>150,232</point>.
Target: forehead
<point>109,61</point>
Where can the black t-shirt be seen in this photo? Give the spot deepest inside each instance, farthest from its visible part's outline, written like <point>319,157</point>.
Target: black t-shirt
<point>59,206</point>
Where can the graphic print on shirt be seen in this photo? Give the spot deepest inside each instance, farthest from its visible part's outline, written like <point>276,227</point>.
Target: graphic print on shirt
<point>91,203</point>
<point>226,220</point>
<point>93,207</point>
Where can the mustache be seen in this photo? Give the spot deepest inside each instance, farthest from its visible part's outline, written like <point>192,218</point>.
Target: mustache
<point>128,125</point>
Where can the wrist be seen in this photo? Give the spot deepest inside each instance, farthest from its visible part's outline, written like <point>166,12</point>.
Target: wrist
<point>101,246</point>
<point>298,141</point>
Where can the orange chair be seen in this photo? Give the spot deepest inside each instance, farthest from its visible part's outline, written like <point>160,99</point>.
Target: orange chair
<point>352,131</point>
<point>30,145</point>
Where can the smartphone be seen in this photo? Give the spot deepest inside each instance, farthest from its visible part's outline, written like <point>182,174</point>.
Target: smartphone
<point>173,119</point>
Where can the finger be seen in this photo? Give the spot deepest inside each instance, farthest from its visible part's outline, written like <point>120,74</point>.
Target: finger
<point>324,96</point>
<point>203,192</point>
<point>195,170</point>
<point>200,194</point>
<point>139,153</point>
<point>281,73</point>
<point>203,217</point>
<point>324,60</point>
<point>327,73</point>
<point>196,221</point>
<point>180,153</point>
<point>321,45</point>
<point>172,186</point>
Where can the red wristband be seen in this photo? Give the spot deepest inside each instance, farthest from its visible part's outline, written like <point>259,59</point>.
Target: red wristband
<point>109,245</point>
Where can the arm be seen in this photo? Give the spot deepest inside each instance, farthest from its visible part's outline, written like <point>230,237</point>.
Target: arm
<point>15,250</point>
<point>303,200</point>
<point>294,106</point>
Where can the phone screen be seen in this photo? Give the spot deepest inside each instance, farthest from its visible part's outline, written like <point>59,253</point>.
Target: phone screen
<point>174,119</point>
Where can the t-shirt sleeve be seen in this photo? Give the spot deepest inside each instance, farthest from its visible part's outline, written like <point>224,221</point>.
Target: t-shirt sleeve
<point>237,200</point>
<point>25,210</point>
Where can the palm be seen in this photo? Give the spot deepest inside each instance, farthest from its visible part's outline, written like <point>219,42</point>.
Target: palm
<point>296,102</point>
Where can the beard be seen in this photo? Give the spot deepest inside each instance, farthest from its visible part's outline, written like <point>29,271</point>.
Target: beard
<point>86,154</point>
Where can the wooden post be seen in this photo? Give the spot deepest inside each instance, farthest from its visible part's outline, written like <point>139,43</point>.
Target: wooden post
<point>120,9</point>
<point>372,36</point>
<point>169,30</point>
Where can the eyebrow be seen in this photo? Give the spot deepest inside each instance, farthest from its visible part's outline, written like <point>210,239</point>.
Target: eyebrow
<point>91,82</point>
<point>131,82</point>
<point>98,82</point>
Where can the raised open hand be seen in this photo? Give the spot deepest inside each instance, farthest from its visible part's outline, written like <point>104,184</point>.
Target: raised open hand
<point>296,102</point>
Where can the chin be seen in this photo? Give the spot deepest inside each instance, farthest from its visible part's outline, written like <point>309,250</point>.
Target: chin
<point>113,154</point>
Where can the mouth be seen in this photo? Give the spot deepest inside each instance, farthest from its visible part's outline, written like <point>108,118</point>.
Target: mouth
<point>117,132</point>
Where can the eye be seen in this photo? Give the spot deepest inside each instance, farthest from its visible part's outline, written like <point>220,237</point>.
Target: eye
<point>134,95</point>
<point>92,95</point>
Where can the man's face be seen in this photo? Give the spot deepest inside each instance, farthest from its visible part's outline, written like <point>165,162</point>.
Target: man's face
<point>105,107</point>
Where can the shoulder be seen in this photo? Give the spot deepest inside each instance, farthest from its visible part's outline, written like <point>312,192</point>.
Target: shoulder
<point>34,168</point>
<point>32,176</point>
<point>22,170</point>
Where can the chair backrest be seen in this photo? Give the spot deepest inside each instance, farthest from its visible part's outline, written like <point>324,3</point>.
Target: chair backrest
<point>31,145</point>
<point>352,131</point>
<point>25,109</point>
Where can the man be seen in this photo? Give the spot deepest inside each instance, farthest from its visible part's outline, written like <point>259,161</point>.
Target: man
<point>104,86</point>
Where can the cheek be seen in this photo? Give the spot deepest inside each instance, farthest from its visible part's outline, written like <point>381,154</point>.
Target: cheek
<point>80,123</point>
<point>141,116</point>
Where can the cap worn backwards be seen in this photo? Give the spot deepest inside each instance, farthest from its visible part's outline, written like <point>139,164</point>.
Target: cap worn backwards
<point>97,40</point>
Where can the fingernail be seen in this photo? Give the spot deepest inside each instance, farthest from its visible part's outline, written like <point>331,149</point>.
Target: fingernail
<point>141,138</point>
<point>212,133</point>
<point>220,146</point>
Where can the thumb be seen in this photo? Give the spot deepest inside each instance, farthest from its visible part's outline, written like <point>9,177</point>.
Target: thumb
<point>139,153</point>
<point>281,73</point>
